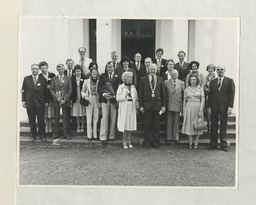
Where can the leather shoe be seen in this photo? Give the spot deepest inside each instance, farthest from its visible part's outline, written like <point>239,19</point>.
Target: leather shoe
<point>68,138</point>
<point>157,147</point>
<point>104,143</point>
<point>224,149</point>
<point>89,139</point>
<point>33,139</point>
<point>43,139</point>
<point>145,147</point>
<point>110,139</point>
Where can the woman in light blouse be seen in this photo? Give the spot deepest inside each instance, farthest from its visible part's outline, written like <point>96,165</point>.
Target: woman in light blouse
<point>194,66</point>
<point>90,93</point>
<point>78,110</point>
<point>127,112</point>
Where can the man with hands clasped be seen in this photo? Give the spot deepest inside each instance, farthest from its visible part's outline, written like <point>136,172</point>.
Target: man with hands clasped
<point>35,98</point>
<point>152,101</point>
<point>221,100</point>
<point>61,90</point>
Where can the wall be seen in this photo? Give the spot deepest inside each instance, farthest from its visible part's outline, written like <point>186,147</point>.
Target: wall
<point>46,39</point>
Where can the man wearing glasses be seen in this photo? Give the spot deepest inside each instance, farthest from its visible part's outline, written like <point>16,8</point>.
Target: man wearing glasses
<point>221,101</point>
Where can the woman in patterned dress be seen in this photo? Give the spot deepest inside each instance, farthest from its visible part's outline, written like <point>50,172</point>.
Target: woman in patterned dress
<point>193,105</point>
<point>78,110</point>
<point>49,111</point>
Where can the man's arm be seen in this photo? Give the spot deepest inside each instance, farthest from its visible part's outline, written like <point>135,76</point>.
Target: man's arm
<point>23,93</point>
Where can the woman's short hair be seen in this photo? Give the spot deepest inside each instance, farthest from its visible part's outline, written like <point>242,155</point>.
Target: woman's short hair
<point>125,58</point>
<point>126,74</point>
<point>211,66</point>
<point>78,67</point>
<point>197,79</point>
<point>91,66</point>
<point>169,60</point>
<point>193,62</point>
<point>43,63</point>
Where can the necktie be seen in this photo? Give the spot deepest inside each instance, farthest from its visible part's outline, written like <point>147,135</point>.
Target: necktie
<point>174,83</point>
<point>114,65</point>
<point>219,84</point>
<point>138,66</point>
<point>153,82</point>
<point>69,73</point>
<point>82,63</point>
<point>110,76</point>
<point>60,78</point>
<point>34,79</point>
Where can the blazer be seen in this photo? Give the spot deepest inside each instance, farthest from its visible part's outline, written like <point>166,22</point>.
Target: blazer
<point>224,98</point>
<point>139,73</point>
<point>103,82</point>
<point>86,91</point>
<point>50,76</point>
<point>163,68</point>
<point>74,88</point>
<point>183,71</point>
<point>117,68</point>
<point>72,72</point>
<point>134,79</point>
<point>34,96</point>
<point>145,98</point>
<point>65,87</point>
<point>174,95</point>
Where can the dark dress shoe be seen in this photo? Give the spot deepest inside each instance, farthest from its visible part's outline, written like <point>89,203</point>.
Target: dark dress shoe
<point>43,139</point>
<point>212,148</point>
<point>33,139</point>
<point>111,140</point>
<point>224,149</point>
<point>68,138</point>
<point>104,143</point>
<point>167,141</point>
<point>89,139</point>
<point>96,139</point>
<point>145,147</point>
<point>157,147</point>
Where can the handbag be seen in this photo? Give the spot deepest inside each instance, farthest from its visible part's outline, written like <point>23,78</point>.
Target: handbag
<point>200,125</point>
<point>84,102</point>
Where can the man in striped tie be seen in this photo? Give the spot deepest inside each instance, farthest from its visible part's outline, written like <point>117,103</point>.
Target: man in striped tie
<point>84,62</point>
<point>221,101</point>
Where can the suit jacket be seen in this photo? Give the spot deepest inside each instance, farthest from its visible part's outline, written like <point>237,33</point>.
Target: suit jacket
<point>72,72</point>
<point>74,88</point>
<point>34,96</point>
<point>141,72</point>
<point>117,68</point>
<point>65,87</point>
<point>174,95</point>
<point>145,98</point>
<point>105,82</point>
<point>50,76</point>
<point>134,78</point>
<point>183,71</point>
<point>163,68</point>
<point>224,98</point>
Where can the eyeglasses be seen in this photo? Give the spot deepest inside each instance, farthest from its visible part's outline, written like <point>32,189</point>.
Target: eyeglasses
<point>220,69</point>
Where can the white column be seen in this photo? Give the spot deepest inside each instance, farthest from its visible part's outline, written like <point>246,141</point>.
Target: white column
<point>86,37</point>
<point>172,36</point>
<point>108,40</point>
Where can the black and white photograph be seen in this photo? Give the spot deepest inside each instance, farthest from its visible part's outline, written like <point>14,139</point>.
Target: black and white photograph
<point>128,102</point>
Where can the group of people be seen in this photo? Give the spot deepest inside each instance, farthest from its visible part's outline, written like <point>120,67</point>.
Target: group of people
<point>157,90</point>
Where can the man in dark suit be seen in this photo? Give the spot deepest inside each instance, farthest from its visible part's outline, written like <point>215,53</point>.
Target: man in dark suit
<point>139,68</point>
<point>35,98</point>
<point>160,62</point>
<point>152,100</point>
<point>221,100</point>
<point>116,65</point>
<point>107,88</point>
<point>70,71</point>
<point>182,66</point>
<point>61,90</point>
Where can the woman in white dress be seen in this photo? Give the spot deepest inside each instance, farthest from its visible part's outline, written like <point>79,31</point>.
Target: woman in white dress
<point>193,105</point>
<point>78,110</point>
<point>127,112</point>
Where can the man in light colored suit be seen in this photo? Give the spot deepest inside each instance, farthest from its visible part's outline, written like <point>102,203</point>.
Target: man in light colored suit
<point>61,90</point>
<point>174,91</point>
<point>221,100</point>
<point>84,62</point>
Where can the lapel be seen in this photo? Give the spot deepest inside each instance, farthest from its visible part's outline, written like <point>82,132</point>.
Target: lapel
<point>170,85</point>
<point>224,81</point>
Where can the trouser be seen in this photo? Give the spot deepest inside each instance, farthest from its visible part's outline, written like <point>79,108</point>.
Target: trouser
<point>92,116</point>
<point>108,121</point>
<point>32,114</point>
<point>152,128</point>
<point>173,120</point>
<point>215,117</point>
<point>66,122</point>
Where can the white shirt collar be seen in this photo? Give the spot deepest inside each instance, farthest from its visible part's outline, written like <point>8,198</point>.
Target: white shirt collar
<point>35,76</point>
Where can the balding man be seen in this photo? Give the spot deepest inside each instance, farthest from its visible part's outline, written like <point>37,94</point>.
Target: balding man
<point>221,100</point>
<point>84,61</point>
<point>174,91</point>
<point>152,101</point>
